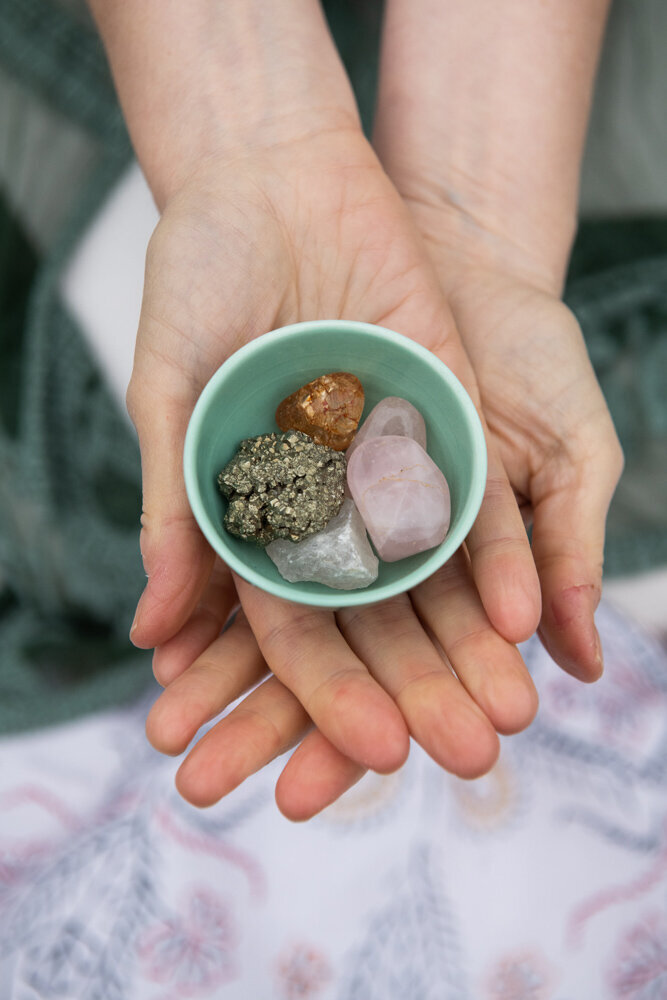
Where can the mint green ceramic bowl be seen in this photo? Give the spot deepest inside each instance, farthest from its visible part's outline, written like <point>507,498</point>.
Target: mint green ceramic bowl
<point>240,401</point>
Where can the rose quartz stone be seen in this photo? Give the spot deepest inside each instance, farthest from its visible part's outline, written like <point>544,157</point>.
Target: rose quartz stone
<point>401,495</point>
<point>392,415</point>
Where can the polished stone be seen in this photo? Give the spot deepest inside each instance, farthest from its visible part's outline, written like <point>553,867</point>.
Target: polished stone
<point>340,556</point>
<point>328,409</point>
<point>392,415</point>
<point>401,494</point>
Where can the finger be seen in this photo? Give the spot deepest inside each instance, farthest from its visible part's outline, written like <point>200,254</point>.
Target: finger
<point>202,628</point>
<point>266,724</point>
<point>440,713</point>
<point>489,667</point>
<point>177,558</point>
<point>304,648</point>
<point>568,544</point>
<point>315,776</point>
<point>231,665</point>
<point>502,561</point>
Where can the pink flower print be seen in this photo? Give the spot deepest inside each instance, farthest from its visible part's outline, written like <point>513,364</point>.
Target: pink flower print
<point>302,972</point>
<point>640,969</point>
<point>194,952</point>
<point>525,975</point>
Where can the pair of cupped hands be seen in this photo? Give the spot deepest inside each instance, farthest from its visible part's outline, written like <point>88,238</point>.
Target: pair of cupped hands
<point>313,227</point>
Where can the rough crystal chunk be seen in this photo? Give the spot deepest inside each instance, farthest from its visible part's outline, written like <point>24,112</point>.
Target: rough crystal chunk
<point>401,494</point>
<point>281,486</point>
<point>328,409</point>
<point>392,415</point>
<point>339,556</point>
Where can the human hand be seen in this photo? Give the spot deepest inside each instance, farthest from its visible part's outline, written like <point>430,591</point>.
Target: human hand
<point>481,121</point>
<point>310,229</point>
<point>546,411</point>
<point>276,210</point>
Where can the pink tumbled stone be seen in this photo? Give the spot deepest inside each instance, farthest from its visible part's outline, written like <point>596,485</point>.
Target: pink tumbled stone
<point>401,495</point>
<point>392,415</point>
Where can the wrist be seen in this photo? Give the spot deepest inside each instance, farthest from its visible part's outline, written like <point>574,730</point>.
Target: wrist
<point>210,81</point>
<point>471,209</point>
<point>482,114</point>
<point>493,237</point>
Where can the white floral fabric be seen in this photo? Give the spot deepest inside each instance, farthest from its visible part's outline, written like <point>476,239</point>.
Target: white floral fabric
<point>545,880</point>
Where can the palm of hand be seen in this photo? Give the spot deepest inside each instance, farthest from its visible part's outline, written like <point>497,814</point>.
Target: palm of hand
<point>289,236</point>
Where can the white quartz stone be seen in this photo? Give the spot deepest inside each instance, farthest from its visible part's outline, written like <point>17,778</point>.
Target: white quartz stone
<point>340,556</point>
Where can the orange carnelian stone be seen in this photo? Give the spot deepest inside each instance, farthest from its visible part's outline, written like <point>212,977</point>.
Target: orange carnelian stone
<point>328,409</point>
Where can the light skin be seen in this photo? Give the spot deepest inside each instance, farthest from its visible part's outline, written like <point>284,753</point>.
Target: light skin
<point>481,122</point>
<point>275,209</point>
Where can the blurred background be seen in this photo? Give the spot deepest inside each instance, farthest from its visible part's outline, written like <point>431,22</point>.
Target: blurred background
<point>75,218</point>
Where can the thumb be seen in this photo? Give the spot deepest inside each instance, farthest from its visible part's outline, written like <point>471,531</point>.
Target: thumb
<point>568,545</point>
<point>177,559</point>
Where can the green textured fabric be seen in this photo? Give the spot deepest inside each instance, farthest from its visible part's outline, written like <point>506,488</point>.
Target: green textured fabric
<point>70,570</point>
<point>617,288</point>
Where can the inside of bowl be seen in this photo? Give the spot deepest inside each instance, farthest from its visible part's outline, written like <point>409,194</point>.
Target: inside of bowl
<point>243,405</point>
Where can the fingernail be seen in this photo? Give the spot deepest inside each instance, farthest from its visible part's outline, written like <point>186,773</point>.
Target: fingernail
<point>599,658</point>
<point>134,625</point>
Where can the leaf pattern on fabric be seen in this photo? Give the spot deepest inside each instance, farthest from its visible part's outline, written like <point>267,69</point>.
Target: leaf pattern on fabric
<point>85,899</point>
<point>75,913</point>
<point>409,949</point>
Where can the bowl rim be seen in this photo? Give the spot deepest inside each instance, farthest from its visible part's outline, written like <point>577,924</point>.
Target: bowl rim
<point>331,598</point>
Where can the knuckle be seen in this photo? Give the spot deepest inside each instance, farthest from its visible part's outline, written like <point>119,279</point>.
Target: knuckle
<point>417,679</point>
<point>300,630</point>
<point>154,248</point>
<point>481,635</point>
<point>447,578</point>
<point>603,451</point>
<point>262,732</point>
<point>337,691</point>
<point>496,491</point>
<point>133,398</point>
<point>498,545</point>
<point>391,618</point>
<point>617,460</point>
<point>206,667</point>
